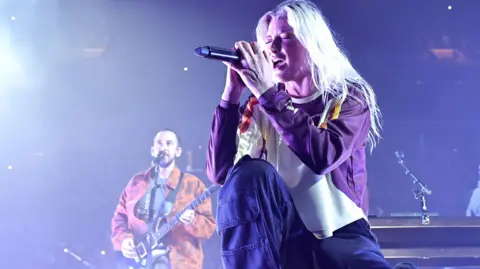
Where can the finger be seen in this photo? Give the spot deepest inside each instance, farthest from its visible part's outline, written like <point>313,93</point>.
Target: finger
<point>236,67</point>
<point>248,48</point>
<point>184,219</point>
<point>266,55</point>
<point>237,45</point>
<point>189,221</point>
<point>130,255</point>
<point>245,50</point>
<point>240,48</point>
<point>255,47</point>
<point>129,252</point>
<point>129,249</point>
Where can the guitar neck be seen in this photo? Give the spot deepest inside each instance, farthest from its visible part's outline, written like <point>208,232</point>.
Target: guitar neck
<point>167,227</point>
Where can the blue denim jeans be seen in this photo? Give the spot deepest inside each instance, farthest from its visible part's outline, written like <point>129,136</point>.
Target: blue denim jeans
<point>260,228</point>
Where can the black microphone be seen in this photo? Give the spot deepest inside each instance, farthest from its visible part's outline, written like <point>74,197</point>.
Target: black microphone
<point>226,55</point>
<point>159,157</point>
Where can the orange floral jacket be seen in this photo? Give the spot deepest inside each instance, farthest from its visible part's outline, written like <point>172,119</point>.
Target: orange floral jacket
<point>186,245</point>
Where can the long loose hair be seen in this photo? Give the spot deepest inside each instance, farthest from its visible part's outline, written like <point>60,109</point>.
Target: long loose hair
<point>332,73</point>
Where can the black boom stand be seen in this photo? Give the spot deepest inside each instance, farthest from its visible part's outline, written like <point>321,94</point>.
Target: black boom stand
<point>151,216</point>
<point>420,189</point>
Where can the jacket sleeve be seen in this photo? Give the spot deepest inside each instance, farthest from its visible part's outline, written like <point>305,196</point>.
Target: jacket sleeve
<point>204,224</point>
<point>322,148</point>
<point>230,141</point>
<point>119,223</point>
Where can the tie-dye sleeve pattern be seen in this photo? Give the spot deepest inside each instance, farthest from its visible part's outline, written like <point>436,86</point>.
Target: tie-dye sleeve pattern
<point>232,137</point>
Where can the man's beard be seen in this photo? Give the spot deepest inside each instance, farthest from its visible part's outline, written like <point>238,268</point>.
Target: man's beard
<point>165,162</point>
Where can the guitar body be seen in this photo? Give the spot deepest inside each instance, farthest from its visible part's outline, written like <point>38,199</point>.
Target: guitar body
<point>158,248</point>
<point>140,263</point>
<point>124,263</point>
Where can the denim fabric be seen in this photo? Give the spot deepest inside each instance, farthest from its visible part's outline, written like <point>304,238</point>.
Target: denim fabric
<point>259,228</point>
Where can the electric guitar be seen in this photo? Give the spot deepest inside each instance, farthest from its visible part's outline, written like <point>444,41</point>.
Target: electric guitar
<point>155,239</point>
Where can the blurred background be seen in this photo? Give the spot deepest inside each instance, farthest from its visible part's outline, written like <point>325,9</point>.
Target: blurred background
<point>85,85</point>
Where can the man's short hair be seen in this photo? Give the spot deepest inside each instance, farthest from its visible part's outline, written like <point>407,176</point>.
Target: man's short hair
<point>179,142</point>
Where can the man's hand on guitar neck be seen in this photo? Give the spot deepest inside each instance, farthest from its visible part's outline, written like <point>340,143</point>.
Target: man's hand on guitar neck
<point>188,217</point>
<point>128,248</point>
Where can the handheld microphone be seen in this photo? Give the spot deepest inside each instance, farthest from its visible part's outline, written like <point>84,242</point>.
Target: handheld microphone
<point>226,55</point>
<point>159,158</point>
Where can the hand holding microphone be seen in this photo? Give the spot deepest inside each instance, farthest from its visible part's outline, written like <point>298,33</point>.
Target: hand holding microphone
<point>247,66</point>
<point>255,69</point>
<point>234,85</point>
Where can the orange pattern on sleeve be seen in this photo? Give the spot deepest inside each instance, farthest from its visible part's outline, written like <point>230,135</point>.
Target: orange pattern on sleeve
<point>333,115</point>
<point>247,115</point>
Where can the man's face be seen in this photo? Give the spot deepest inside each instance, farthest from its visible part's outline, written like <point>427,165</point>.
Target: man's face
<point>166,144</point>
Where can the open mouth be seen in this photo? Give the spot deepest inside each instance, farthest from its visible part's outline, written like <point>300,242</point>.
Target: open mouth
<point>277,63</point>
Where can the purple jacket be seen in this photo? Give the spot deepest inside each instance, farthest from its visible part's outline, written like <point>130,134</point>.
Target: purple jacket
<point>317,146</point>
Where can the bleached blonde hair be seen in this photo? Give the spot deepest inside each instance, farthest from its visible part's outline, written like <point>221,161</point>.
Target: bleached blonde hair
<point>332,72</point>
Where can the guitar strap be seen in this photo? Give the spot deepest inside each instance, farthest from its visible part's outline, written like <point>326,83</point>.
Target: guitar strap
<point>172,196</point>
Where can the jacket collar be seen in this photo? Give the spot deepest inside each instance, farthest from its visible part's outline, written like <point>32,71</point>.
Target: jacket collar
<point>172,181</point>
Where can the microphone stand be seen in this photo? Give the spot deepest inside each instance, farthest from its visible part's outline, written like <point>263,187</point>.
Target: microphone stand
<point>151,215</point>
<point>78,258</point>
<point>420,193</point>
